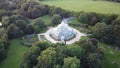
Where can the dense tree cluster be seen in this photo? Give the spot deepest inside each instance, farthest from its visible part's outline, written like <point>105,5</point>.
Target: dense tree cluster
<point>57,10</point>
<point>79,55</point>
<point>108,33</point>
<point>3,44</point>
<point>88,18</point>
<point>32,9</point>
<point>105,26</point>
<point>56,19</point>
<point>15,16</point>
<point>114,0</point>
<point>39,25</point>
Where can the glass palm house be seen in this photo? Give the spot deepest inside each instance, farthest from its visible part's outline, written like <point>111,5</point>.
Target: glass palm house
<point>63,32</point>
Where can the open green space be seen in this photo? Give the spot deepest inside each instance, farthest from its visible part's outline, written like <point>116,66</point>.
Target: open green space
<point>97,6</point>
<point>15,54</point>
<point>16,51</point>
<point>45,18</point>
<point>112,56</point>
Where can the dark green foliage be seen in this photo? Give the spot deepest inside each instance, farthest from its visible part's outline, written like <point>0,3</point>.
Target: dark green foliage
<point>116,21</point>
<point>71,62</point>
<point>32,9</point>
<point>47,58</point>
<point>5,21</point>
<point>74,50</point>
<point>56,19</point>
<point>3,44</point>
<point>5,13</point>
<point>94,61</point>
<point>61,53</point>
<point>88,18</point>
<point>109,18</point>
<point>60,11</point>
<point>93,56</point>
<point>14,18</point>
<point>108,35</point>
<point>29,29</point>
<point>83,17</point>
<point>114,0</point>
<point>104,33</point>
<point>14,32</point>
<point>89,47</point>
<point>21,24</point>
<point>39,25</point>
<point>30,57</point>
<point>60,56</point>
<point>116,30</point>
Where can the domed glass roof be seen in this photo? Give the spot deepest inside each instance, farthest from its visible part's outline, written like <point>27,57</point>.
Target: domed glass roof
<point>62,31</point>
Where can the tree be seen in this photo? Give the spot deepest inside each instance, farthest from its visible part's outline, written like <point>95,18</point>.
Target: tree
<point>5,21</point>
<point>83,17</point>
<point>14,32</point>
<point>3,44</point>
<point>89,47</point>
<point>110,18</point>
<point>32,9</point>
<point>47,59</point>
<point>29,59</point>
<point>14,18</point>
<point>39,25</point>
<point>74,50</point>
<point>98,29</point>
<point>104,33</point>
<point>34,13</point>
<point>71,62</point>
<point>92,19</point>
<point>116,21</point>
<point>116,31</point>
<point>107,35</point>
<point>56,19</point>
<point>94,61</point>
<point>21,24</point>
<point>61,53</point>
<point>57,10</point>
<point>29,29</point>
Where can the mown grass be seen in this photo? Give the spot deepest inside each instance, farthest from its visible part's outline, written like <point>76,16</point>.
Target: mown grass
<point>45,18</point>
<point>112,56</point>
<point>14,56</point>
<point>98,6</point>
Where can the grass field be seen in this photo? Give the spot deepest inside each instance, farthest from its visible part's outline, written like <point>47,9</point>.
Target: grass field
<point>103,7</point>
<point>14,56</point>
<point>111,55</point>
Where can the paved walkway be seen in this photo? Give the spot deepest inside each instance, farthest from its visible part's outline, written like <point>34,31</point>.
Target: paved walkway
<point>40,35</point>
<point>77,38</point>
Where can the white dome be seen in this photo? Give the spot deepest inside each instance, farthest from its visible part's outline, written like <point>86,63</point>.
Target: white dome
<point>62,31</point>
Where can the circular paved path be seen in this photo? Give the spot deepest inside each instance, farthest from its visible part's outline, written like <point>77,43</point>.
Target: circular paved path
<point>77,37</point>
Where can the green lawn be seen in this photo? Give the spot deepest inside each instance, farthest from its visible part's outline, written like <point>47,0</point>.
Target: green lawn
<point>104,7</point>
<point>110,57</point>
<point>14,56</point>
<point>46,19</point>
